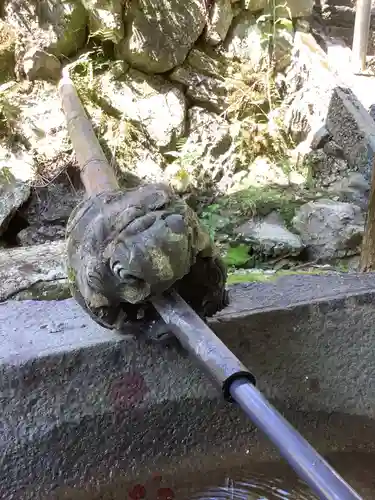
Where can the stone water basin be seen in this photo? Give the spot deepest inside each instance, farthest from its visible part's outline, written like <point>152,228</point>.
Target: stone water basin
<point>90,414</point>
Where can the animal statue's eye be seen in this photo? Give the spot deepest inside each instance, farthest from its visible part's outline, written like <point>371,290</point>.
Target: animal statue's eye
<point>118,270</point>
<point>95,280</point>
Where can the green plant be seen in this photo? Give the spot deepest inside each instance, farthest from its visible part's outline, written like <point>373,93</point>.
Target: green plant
<point>254,139</point>
<point>106,35</point>
<point>213,220</point>
<point>186,158</point>
<point>253,100</point>
<point>118,135</point>
<point>9,112</point>
<point>84,71</point>
<point>122,138</point>
<point>246,93</point>
<point>237,256</point>
<point>270,22</point>
<point>260,201</point>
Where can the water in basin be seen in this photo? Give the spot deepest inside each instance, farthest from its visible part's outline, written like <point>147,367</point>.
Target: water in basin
<point>255,481</point>
<point>275,481</point>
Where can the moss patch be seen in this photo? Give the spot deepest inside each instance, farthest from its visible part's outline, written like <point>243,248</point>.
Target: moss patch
<point>232,210</point>
<point>58,290</point>
<point>251,277</point>
<point>75,33</point>
<point>263,200</point>
<point>7,56</point>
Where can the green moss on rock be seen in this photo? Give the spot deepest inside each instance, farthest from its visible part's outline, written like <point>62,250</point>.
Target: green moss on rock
<point>57,290</point>
<point>258,276</point>
<point>7,52</point>
<point>74,35</point>
<point>232,210</point>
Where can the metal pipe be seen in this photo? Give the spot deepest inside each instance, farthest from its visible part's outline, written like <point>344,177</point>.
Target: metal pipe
<point>300,455</point>
<point>235,380</point>
<point>361,35</point>
<point>214,357</point>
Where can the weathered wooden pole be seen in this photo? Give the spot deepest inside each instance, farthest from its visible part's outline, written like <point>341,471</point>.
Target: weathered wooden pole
<point>361,35</point>
<point>96,173</point>
<point>367,261</point>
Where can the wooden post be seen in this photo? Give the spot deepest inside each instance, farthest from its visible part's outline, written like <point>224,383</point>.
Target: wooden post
<point>367,262</point>
<point>361,35</point>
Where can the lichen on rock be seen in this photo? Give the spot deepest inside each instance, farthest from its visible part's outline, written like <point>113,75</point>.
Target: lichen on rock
<point>330,229</point>
<point>105,19</point>
<point>57,26</point>
<point>34,143</point>
<point>160,33</point>
<point>220,20</point>
<point>7,52</point>
<point>152,103</point>
<point>13,194</point>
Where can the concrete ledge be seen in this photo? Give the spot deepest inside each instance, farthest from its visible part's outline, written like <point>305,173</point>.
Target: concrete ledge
<point>81,404</point>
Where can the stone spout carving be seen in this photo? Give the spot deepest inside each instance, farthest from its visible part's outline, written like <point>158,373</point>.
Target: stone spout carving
<point>126,246</point>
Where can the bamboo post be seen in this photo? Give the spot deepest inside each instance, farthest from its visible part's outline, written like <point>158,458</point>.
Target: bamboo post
<point>96,173</point>
<point>361,35</point>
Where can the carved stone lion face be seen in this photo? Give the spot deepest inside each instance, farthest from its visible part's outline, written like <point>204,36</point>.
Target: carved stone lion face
<point>126,246</point>
<point>150,254</point>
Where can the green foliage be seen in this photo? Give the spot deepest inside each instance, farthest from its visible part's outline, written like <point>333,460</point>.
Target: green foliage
<point>253,95</point>
<point>183,153</point>
<point>84,72</point>
<point>186,159</point>
<point>228,212</point>
<point>212,219</point>
<point>253,138</point>
<point>10,115</point>
<point>9,112</point>
<point>6,175</point>
<point>106,35</point>
<point>118,136</point>
<point>122,138</point>
<point>261,201</point>
<point>246,92</point>
<point>7,51</point>
<point>272,21</point>
<point>237,256</point>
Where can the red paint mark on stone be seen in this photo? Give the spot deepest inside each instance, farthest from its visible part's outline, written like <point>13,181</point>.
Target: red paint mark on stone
<point>128,390</point>
<point>137,492</point>
<point>165,494</point>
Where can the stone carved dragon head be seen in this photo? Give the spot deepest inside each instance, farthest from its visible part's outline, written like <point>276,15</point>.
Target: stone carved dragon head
<point>127,246</point>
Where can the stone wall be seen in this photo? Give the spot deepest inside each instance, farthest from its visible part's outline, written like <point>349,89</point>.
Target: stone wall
<point>213,111</point>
